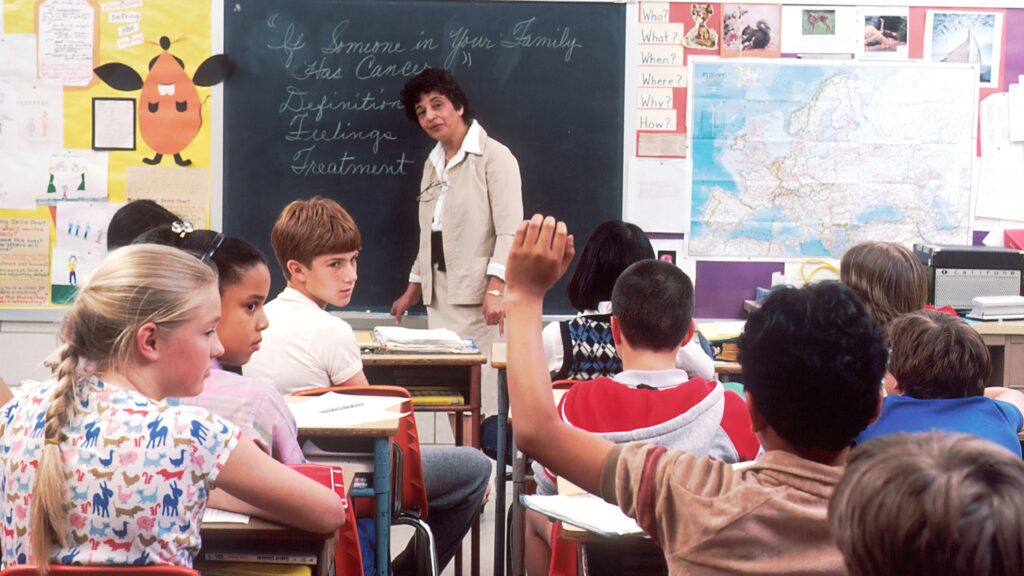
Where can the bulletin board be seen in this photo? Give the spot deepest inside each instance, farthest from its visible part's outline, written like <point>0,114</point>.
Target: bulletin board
<point>73,149</point>
<point>746,163</point>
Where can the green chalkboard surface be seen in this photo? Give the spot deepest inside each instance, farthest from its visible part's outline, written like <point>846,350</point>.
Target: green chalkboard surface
<point>313,109</point>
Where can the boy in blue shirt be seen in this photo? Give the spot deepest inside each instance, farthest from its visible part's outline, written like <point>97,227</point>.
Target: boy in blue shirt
<point>936,381</point>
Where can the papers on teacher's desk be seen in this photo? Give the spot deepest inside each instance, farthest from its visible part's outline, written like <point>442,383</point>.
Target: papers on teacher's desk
<point>440,340</point>
<point>586,511</point>
<point>334,410</point>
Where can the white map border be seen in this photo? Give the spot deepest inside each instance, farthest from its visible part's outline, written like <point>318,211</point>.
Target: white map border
<point>692,61</point>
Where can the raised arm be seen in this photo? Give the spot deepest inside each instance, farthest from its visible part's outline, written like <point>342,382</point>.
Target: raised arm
<point>540,254</point>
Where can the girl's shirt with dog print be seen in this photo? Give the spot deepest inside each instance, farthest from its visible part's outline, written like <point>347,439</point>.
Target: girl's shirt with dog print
<point>138,473</point>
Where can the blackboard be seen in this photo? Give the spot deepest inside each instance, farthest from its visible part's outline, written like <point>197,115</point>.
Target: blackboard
<point>312,108</point>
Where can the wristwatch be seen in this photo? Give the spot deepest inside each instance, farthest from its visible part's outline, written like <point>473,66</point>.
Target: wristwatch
<point>498,293</point>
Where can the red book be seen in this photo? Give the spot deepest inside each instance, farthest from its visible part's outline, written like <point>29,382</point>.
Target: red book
<point>330,476</point>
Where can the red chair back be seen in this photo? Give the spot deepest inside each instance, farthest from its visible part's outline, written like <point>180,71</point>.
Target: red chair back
<point>413,489</point>
<point>61,570</point>
<point>348,557</point>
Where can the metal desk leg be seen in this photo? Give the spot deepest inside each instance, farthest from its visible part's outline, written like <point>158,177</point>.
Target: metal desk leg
<point>382,491</point>
<point>518,550</point>
<point>499,476</point>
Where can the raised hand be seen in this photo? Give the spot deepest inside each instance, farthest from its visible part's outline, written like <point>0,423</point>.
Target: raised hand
<point>541,252</point>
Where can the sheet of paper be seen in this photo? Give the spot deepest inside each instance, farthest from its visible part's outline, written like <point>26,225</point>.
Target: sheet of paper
<point>18,56</point>
<point>1015,112</point>
<point>72,175</point>
<point>113,123</point>
<point>661,144</point>
<point>343,410</point>
<point>67,37</point>
<point>213,515</point>
<point>83,225</point>
<point>658,196</point>
<point>886,30</point>
<point>69,269</point>
<point>24,257</point>
<point>586,511</point>
<point>184,191</point>
<point>1000,188</point>
<point>819,30</point>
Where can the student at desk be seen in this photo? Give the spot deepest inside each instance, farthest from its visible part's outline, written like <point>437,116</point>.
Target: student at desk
<point>813,360</point>
<point>317,244</point>
<point>142,329</point>
<point>936,381</point>
<point>243,278</point>
<point>650,400</point>
<point>582,348</point>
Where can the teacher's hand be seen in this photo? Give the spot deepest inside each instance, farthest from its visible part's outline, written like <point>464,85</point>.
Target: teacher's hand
<point>494,312</point>
<point>407,300</point>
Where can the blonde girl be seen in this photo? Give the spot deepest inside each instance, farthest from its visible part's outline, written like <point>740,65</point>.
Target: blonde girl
<point>97,467</point>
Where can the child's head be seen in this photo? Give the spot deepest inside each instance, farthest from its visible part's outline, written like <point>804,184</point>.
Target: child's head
<point>316,242</point>
<point>935,355</point>
<point>612,247</point>
<point>813,362</point>
<point>134,218</point>
<point>652,304</point>
<point>929,505</point>
<point>887,277</point>
<point>244,282</point>
<point>145,316</point>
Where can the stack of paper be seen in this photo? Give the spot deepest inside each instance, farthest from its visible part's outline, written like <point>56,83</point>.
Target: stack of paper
<point>398,339</point>
<point>997,307</point>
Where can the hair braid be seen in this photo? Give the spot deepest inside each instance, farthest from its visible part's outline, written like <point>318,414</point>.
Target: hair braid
<point>48,514</point>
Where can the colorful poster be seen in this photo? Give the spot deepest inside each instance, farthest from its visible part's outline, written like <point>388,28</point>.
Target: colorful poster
<point>25,257</point>
<point>71,175</point>
<point>83,225</point>
<point>69,269</point>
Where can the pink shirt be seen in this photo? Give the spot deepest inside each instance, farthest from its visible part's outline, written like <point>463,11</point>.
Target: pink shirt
<point>257,408</point>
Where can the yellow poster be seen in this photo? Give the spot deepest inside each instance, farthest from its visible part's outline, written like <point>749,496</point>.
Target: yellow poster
<point>25,257</point>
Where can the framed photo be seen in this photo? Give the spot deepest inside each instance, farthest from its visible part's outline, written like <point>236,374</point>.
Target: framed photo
<point>113,123</point>
<point>667,256</point>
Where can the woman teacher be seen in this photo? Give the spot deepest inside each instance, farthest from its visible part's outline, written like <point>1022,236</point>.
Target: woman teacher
<point>470,203</point>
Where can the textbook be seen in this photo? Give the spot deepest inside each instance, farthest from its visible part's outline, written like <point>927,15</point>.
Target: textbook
<point>997,308</point>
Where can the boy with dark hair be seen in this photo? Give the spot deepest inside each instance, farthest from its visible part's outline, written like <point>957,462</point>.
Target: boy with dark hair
<point>817,385</point>
<point>930,505</point>
<point>650,400</point>
<point>936,381</point>
<point>317,243</point>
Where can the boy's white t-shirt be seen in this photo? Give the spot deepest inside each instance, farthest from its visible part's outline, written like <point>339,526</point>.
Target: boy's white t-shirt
<point>304,347</point>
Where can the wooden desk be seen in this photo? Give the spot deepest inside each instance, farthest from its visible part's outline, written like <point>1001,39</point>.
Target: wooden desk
<point>360,438</point>
<point>260,536</point>
<point>456,371</point>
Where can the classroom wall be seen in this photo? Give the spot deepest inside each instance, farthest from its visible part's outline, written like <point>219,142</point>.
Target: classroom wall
<point>652,183</point>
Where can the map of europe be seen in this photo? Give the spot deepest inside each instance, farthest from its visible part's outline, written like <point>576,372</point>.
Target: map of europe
<point>797,159</point>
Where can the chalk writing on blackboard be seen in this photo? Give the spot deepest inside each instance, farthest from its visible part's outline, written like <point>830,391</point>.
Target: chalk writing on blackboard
<point>333,89</point>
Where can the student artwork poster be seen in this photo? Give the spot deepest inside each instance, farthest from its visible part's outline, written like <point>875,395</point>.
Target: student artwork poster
<point>966,38</point>
<point>751,30</point>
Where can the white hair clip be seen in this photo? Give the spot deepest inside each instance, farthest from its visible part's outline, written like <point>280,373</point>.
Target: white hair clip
<point>181,228</point>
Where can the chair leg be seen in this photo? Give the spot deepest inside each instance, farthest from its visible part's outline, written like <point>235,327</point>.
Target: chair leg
<point>424,529</point>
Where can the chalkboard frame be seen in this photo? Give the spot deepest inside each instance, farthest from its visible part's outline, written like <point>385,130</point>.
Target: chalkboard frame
<point>563,190</point>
